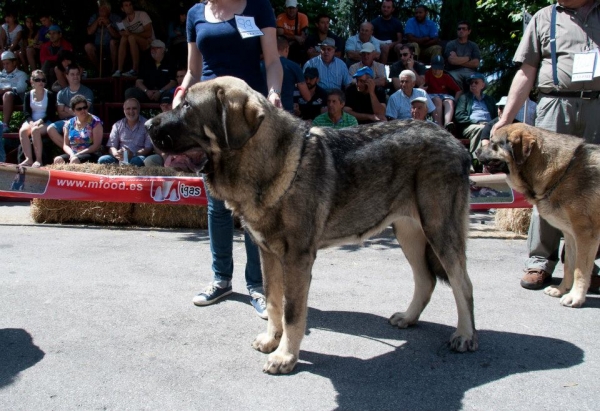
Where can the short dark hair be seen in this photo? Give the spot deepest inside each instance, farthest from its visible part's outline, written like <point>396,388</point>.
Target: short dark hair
<point>422,6</point>
<point>464,22</point>
<point>391,1</point>
<point>72,66</point>
<point>409,47</point>
<point>62,56</point>
<point>322,16</point>
<point>282,43</point>
<point>339,93</point>
<point>79,98</point>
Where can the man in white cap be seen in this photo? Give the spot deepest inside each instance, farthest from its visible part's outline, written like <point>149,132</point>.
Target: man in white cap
<point>293,25</point>
<point>418,108</point>
<point>157,76</point>
<point>367,59</point>
<point>13,83</point>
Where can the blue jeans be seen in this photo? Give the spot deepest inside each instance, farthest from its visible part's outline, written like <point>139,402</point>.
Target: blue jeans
<point>220,230</point>
<point>108,159</point>
<point>2,152</point>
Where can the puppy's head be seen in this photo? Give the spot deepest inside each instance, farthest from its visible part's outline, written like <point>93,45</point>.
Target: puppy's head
<point>509,148</point>
<point>215,116</point>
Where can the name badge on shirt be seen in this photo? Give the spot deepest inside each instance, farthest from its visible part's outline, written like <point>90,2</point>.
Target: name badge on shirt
<point>584,65</point>
<point>247,27</point>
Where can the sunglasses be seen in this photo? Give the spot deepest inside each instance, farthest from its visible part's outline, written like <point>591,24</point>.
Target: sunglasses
<point>81,108</point>
<point>39,80</point>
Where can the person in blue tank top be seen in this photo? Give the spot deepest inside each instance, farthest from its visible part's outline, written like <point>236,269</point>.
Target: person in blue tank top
<point>227,38</point>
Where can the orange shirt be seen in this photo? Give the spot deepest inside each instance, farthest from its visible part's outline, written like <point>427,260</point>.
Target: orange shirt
<point>288,26</point>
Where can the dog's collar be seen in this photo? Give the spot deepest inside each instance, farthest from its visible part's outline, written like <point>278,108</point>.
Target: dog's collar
<point>549,192</point>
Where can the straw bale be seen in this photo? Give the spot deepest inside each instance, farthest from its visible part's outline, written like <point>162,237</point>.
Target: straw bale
<point>513,219</point>
<point>111,213</point>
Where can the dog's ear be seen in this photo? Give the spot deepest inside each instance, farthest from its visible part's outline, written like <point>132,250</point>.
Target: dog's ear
<point>241,116</point>
<point>522,143</point>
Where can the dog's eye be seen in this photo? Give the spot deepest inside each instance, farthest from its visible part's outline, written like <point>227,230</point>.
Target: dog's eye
<point>186,104</point>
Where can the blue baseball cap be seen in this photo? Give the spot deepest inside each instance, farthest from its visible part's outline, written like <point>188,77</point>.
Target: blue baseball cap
<point>364,70</point>
<point>55,27</point>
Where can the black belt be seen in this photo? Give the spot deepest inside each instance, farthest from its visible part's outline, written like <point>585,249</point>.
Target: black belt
<point>584,94</point>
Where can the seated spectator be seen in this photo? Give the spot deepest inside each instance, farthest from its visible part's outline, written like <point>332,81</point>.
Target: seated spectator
<point>39,108</point>
<point>30,32</point>
<point>462,55</point>
<point>364,99</point>
<point>354,44</point>
<point>13,83</point>
<point>82,135</point>
<point>33,52</point>
<point>128,135</point>
<point>49,52</point>
<point>292,77</point>
<point>11,33</point>
<point>103,27</point>
<point>399,103</point>
<point>474,110</point>
<point>136,35</point>
<point>177,40</point>
<point>293,25</point>
<point>443,91</point>
<point>333,72</point>
<point>157,76</point>
<point>367,59</point>
<point>389,31</point>
<point>335,116</point>
<point>65,59</point>
<point>312,41</point>
<point>407,61</point>
<point>63,103</point>
<point>308,109</point>
<point>166,103</point>
<point>529,106</point>
<point>423,35</point>
<point>418,109</point>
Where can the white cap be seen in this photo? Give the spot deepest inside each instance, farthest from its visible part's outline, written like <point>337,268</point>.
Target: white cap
<point>291,3</point>
<point>502,101</point>
<point>8,55</point>
<point>367,47</point>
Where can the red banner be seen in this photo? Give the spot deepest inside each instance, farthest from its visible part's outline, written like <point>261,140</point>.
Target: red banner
<point>487,190</point>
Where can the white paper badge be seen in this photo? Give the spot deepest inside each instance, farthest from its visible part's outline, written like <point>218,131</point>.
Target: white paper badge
<point>247,27</point>
<point>583,66</point>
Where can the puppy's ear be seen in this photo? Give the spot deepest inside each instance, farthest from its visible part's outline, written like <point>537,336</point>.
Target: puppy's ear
<point>522,143</point>
<point>241,116</point>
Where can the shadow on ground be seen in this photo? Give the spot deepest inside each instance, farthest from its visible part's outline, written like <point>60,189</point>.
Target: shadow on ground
<point>420,372</point>
<point>17,353</point>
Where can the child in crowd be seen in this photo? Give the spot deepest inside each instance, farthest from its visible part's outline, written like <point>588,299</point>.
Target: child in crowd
<point>443,91</point>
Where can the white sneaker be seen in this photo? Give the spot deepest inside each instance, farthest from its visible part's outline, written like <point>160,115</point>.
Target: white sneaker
<point>117,73</point>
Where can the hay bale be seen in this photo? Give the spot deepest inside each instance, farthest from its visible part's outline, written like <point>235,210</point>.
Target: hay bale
<point>513,219</point>
<point>110,213</point>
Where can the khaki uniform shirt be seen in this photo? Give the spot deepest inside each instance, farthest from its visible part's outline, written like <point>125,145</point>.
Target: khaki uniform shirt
<point>574,33</point>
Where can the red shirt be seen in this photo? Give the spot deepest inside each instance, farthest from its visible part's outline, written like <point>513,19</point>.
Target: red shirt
<point>442,85</point>
<point>50,53</point>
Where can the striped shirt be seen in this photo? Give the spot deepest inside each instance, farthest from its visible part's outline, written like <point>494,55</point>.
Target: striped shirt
<point>332,75</point>
<point>135,138</point>
<point>347,120</point>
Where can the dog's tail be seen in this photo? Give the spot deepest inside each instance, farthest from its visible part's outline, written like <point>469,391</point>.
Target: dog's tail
<point>434,265</point>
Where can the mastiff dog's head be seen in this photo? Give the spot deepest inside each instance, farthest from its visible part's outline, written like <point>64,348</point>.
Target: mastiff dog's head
<point>509,148</point>
<point>214,118</point>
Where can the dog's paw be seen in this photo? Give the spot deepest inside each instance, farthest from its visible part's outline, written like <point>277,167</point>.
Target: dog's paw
<point>572,300</point>
<point>554,291</point>
<point>280,363</point>
<point>402,320</point>
<point>265,343</point>
<point>464,343</point>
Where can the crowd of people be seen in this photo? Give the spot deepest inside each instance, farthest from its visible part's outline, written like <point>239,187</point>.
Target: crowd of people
<point>388,70</point>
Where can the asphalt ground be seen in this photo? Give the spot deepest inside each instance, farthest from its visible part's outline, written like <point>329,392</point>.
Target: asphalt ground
<point>100,318</point>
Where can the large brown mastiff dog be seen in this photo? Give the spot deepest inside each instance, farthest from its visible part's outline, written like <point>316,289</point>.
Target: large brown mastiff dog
<point>300,189</point>
<point>559,174</point>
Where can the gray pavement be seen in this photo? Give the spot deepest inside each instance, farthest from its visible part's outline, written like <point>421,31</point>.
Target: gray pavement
<point>101,318</point>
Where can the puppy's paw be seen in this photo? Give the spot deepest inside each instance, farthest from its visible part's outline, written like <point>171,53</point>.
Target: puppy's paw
<point>402,320</point>
<point>554,291</point>
<point>265,343</point>
<point>464,343</point>
<point>572,300</point>
<point>280,363</point>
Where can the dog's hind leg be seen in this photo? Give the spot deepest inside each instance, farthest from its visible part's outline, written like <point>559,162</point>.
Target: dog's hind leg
<point>413,242</point>
<point>297,267</point>
<point>273,284</point>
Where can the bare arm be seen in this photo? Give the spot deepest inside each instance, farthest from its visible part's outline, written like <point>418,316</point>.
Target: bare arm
<point>519,91</point>
<point>303,89</point>
<point>194,72</point>
<point>273,67</point>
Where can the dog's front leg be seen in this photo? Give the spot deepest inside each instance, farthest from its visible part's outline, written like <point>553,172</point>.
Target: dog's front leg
<point>273,284</point>
<point>296,283</point>
<point>586,249</point>
<point>569,266</point>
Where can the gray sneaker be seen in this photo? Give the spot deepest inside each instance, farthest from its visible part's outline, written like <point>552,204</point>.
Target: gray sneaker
<point>259,302</point>
<point>211,294</point>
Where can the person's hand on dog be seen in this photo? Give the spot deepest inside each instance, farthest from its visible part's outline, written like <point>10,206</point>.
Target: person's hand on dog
<point>501,123</point>
<point>275,100</point>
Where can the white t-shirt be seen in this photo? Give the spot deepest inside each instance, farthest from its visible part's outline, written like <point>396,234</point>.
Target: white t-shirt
<point>38,108</point>
<point>140,19</point>
<point>11,35</point>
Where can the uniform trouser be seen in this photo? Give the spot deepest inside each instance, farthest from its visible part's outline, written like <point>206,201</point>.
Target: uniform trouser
<point>573,116</point>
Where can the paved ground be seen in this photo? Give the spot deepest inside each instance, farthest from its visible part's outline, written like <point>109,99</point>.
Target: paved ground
<point>101,318</point>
